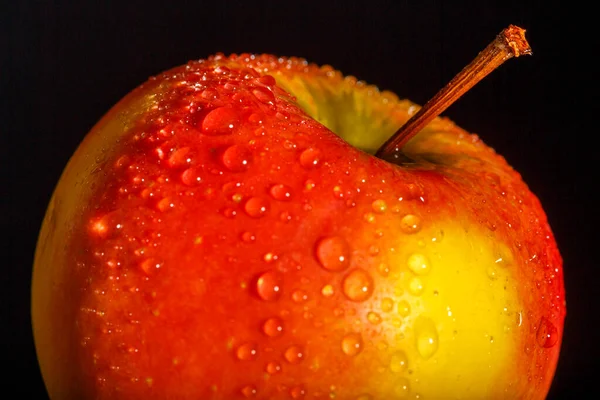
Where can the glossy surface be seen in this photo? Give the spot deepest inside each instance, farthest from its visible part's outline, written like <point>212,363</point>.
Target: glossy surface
<point>211,240</point>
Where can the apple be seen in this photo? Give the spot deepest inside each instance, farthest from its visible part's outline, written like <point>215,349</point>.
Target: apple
<point>226,231</point>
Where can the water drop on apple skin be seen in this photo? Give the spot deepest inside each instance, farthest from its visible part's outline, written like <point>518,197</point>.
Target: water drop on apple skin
<point>256,207</point>
<point>333,253</point>
<point>426,337</point>
<point>310,158</point>
<point>419,264</point>
<point>269,285</point>
<point>297,392</point>
<point>352,344</point>
<point>547,334</point>
<point>410,224</point>
<point>220,121</point>
<point>273,368</point>
<point>398,362</point>
<point>273,327</point>
<point>246,352</point>
<point>281,192</point>
<point>236,158</point>
<point>249,391</point>
<point>358,285</point>
<point>294,354</point>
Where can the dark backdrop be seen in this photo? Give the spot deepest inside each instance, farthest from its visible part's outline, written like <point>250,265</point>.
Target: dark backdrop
<point>63,65</point>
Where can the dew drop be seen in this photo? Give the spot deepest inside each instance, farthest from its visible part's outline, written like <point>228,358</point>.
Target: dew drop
<point>264,95</point>
<point>267,80</point>
<point>402,389</point>
<point>547,334</point>
<point>387,304</point>
<point>209,94</point>
<point>220,121</point>
<point>352,344</point>
<point>268,285</point>
<point>418,264</point>
<point>383,269</point>
<point>248,237</point>
<point>297,392</point>
<point>373,318</point>
<point>246,352</point>
<point>399,362</point>
<point>358,285</point>
<point>379,206</point>
<point>426,335</point>
<point>415,286</point>
<point>333,253</point>
<point>327,291</point>
<point>404,308</point>
<point>273,368</point>
<point>410,224</point>
<point>179,158</point>
<point>236,158</point>
<point>256,207</point>
<point>294,354</point>
<point>273,327</point>
<point>299,296</point>
<point>281,192</point>
<point>249,391</point>
<point>191,176</point>
<point>310,158</point>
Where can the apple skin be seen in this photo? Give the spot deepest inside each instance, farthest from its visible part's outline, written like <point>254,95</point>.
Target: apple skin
<point>209,239</point>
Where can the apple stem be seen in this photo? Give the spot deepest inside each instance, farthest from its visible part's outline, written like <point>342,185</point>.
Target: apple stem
<point>509,43</point>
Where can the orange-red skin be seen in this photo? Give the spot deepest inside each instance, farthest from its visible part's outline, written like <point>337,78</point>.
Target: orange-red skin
<point>162,262</point>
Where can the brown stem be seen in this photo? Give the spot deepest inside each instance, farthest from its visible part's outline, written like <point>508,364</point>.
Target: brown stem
<point>509,43</point>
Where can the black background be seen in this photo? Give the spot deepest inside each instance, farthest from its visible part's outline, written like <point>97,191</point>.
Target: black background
<point>63,65</point>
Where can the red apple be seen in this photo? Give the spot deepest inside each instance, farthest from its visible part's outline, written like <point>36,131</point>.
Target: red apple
<point>213,238</point>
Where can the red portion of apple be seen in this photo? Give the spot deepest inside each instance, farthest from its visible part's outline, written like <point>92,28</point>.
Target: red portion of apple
<point>229,243</point>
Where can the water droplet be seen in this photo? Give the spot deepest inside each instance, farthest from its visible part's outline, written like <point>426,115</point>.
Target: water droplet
<point>249,391</point>
<point>236,158</point>
<point>369,217</point>
<point>247,352</point>
<point>327,291</point>
<point>268,285</point>
<point>281,192</point>
<point>402,389</point>
<point>273,368</point>
<point>180,158</point>
<point>310,158</point>
<point>209,94</point>
<point>352,344</point>
<point>273,327</point>
<point>256,207</point>
<point>387,304</point>
<point>383,269</point>
<point>404,308</point>
<point>191,176</point>
<point>426,335</point>
<point>364,397</point>
<point>379,206</point>
<point>333,253</point>
<point>416,287</point>
<point>410,224</point>
<point>264,95</point>
<point>220,121</point>
<point>373,318</point>
<point>419,264</point>
<point>248,237</point>
<point>399,362</point>
<point>294,354</point>
<point>297,392</point>
<point>358,285</point>
<point>267,80</point>
<point>492,273</point>
<point>299,296</point>
<point>547,334</point>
